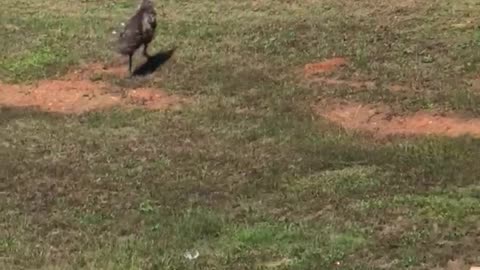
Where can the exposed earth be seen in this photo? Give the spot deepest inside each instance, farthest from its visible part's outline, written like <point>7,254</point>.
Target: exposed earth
<point>77,92</point>
<point>379,119</point>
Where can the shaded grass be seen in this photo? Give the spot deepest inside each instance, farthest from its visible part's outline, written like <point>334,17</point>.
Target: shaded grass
<point>244,175</point>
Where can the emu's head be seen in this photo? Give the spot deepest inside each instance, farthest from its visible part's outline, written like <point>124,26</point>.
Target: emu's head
<point>147,4</point>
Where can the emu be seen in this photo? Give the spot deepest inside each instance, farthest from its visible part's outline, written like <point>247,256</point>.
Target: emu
<point>138,31</point>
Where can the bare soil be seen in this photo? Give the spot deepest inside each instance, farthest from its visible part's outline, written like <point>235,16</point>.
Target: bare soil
<point>76,93</point>
<point>379,119</point>
<point>325,66</point>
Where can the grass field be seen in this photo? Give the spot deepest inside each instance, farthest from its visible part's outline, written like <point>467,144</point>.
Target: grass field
<point>245,174</point>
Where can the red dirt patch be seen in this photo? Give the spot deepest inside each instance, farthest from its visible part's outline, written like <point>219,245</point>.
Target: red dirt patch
<point>58,96</point>
<point>76,93</point>
<point>324,66</point>
<point>317,74</point>
<point>380,121</point>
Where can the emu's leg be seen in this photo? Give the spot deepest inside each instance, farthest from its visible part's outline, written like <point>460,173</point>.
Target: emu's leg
<point>130,64</point>
<point>145,46</point>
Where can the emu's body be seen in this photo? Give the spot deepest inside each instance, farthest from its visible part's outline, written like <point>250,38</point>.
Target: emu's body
<point>138,31</point>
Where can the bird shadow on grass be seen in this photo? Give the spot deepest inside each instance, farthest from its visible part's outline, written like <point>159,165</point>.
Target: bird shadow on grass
<point>153,63</point>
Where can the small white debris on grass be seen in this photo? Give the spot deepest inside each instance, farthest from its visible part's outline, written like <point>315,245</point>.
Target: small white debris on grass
<point>191,255</point>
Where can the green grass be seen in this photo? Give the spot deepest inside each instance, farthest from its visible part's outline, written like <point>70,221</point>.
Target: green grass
<point>243,175</point>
